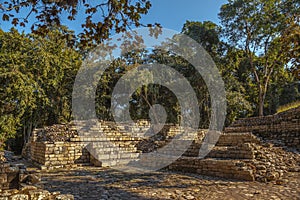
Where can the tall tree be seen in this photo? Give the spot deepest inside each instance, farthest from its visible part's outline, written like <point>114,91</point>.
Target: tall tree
<point>37,75</point>
<point>17,84</point>
<point>227,59</point>
<point>256,27</point>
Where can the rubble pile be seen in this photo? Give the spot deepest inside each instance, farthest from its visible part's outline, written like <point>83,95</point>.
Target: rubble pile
<point>33,193</point>
<point>156,141</point>
<point>271,163</point>
<point>16,182</point>
<point>56,133</point>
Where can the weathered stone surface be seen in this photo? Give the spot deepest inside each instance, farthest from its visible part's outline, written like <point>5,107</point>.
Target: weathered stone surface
<point>282,129</point>
<point>2,157</point>
<point>38,194</point>
<point>9,176</point>
<point>99,183</point>
<point>64,197</point>
<point>19,197</point>
<point>258,158</point>
<point>33,194</point>
<point>50,153</point>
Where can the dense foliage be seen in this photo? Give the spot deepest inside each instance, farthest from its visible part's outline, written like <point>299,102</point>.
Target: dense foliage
<point>36,76</point>
<point>256,50</point>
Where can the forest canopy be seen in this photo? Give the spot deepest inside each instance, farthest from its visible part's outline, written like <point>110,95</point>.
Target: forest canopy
<point>256,49</point>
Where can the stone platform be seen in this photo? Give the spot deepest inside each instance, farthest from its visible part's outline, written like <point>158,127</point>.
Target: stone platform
<point>238,154</point>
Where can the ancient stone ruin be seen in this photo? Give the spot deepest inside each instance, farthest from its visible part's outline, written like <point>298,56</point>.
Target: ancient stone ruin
<point>255,149</point>
<point>19,183</point>
<point>250,149</point>
<point>282,129</point>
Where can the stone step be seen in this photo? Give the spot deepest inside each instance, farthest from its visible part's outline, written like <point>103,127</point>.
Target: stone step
<point>225,168</point>
<point>105,160</point>
<point>119,155</point>
<point>115,136</point>
<point>102,139</point>
<point>242,151</point>
<point>125,144</point>
<point>235,139</point>
<point>112,151</point>
<point>152,162</point>
<point>115,150</point>
<point>117,162</point>
<point>231,153</point>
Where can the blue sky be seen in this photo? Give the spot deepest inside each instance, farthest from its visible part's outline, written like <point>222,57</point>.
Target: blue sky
<point>171,14</point>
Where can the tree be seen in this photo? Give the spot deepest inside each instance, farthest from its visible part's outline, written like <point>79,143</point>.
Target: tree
<point>227,59</point>
<point>291,41</point>
<point>206,33</point>
<point>235,74</point>
<point>101,18</point>
<point>36,75</point>
<point>256,27</point>
<point>17,85</point>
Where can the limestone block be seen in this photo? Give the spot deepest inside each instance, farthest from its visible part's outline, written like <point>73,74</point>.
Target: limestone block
<point>64,197</point>
<point>19,197</point>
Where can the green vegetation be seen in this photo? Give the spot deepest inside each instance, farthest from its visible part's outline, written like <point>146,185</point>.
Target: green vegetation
<point>288,106</point>
<point>101,17</point>
<point>256,49</point>
<point>257,27</point>
<point>36,76</point>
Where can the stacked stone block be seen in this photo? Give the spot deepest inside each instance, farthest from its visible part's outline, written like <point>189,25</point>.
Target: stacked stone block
<point>101,144</point>
<point>233,169</point>
<point>236,155</point>
<point>59,154</point>
<point>227,159</point>
<point>9,176</point>
<point>282,128</point>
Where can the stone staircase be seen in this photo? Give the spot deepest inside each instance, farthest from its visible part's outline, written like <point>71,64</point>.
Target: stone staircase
<point>236,155</point>
<point>115,145</point>
<point>109,144</point>
<point>227,159</point>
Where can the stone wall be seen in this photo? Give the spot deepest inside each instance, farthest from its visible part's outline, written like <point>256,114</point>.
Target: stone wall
<point>282,128</point>
<point>50,148</point>
<point>19,183</point>
<point>9,176</point>
<point>49,151</point>
<point>233,169</point>
<point>236,155</point>
<point>59,154</point>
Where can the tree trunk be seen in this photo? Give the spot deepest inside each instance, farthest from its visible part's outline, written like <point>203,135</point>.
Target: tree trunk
<point>262,96</point>
<point>261,102</point>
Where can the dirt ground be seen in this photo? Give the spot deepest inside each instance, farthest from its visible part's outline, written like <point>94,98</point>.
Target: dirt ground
<point>104,183</point>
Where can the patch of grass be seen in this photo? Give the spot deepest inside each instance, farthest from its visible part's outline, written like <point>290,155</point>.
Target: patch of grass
<point>288,106</point>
